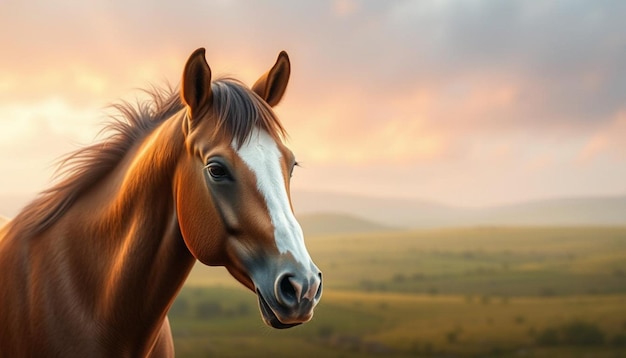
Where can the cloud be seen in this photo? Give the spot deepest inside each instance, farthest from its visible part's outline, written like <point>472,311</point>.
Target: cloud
<point>507,92</point>
<point>35,135</point>
<point>608,141</point>
<point>569,55</point>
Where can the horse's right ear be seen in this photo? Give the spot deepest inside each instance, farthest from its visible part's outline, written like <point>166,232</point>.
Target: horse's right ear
<point>196,86</point>
<point>272,85</point>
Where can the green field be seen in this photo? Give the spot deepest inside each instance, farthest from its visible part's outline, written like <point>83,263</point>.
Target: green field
<point>530,292</point>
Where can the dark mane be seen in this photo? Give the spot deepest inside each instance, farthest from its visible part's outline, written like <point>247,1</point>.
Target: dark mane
<point>238,111</point>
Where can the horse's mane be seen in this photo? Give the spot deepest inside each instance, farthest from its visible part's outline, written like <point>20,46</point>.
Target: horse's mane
<point>238,111</point>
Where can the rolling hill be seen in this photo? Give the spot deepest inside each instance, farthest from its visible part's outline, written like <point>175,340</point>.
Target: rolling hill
<point>329,223</point>
<point>408,213</point>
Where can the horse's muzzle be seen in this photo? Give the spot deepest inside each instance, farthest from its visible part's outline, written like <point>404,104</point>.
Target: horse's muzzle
<point>292,301</point>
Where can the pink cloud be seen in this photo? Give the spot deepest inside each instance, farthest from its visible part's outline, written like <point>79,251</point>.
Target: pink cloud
<point>606,141</point>
<point>461,101</point>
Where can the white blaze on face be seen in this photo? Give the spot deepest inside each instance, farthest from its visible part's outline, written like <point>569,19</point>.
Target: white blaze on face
<point>262,156</point>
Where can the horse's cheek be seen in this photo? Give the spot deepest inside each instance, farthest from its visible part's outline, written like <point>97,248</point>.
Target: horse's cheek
<point>199,222</point>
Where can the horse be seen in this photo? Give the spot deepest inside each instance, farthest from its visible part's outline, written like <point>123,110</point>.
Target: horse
<point>92,265</point>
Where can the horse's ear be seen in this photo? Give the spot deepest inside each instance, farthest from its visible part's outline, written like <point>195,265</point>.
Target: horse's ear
<point>272,85</point>
<point>196,86</point>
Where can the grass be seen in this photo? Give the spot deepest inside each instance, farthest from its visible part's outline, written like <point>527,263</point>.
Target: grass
<point>459,292</point>
<point>351,323</point>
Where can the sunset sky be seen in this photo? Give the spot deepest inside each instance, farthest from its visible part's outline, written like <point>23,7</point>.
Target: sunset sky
<point>467,103</point>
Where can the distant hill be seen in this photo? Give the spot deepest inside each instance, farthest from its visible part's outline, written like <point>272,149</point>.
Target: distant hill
<point>326,224</point>
<point>407,213</point>
<point>601,211</point>
<point>391,212</point>
<point>3,220</point>
<point>371,213</point>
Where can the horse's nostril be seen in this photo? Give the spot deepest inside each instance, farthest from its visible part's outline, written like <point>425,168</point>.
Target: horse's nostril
<point>318,294</point>
<point>293,293</point>
<point>287,293</point>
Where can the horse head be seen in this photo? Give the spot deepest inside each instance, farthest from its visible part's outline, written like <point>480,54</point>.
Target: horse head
<point>233,190</point>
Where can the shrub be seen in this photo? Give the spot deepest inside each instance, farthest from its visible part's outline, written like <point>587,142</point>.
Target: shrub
<point>452,336</point>
<point>208,309</point>
<point>243,309</point>
<point>547,337</point>
<point>619,340</point>
<point>417,276</point>
<point>325,331</point>
<point>180,307</point>
<point>577,333</point>
<point>582,334</point>
<point>547,292</point>
<point>421,349</point>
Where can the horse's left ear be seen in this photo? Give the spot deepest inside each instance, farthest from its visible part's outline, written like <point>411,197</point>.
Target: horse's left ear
<point>196,84</point>
<point>272,85</point>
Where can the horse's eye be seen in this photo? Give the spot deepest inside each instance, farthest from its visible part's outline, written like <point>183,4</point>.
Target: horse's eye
<point>217,171</point>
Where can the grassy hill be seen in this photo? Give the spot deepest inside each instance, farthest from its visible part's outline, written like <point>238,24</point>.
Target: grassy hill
<point>514,261</point>
<point>476,262</point>
<point>466,292</point>
<point>3,220</point>
<point>326,224</point>
<point>357,324</point>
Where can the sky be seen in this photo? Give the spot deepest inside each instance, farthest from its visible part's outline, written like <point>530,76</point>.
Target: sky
<point>466,103</point>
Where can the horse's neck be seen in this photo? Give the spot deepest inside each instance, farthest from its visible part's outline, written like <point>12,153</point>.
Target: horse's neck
<point>130,234</point>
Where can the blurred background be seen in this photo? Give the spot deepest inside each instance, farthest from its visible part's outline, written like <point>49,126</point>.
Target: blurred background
<point>463,179</point>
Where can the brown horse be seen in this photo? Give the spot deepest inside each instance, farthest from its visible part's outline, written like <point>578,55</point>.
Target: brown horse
<point>91,267</point>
